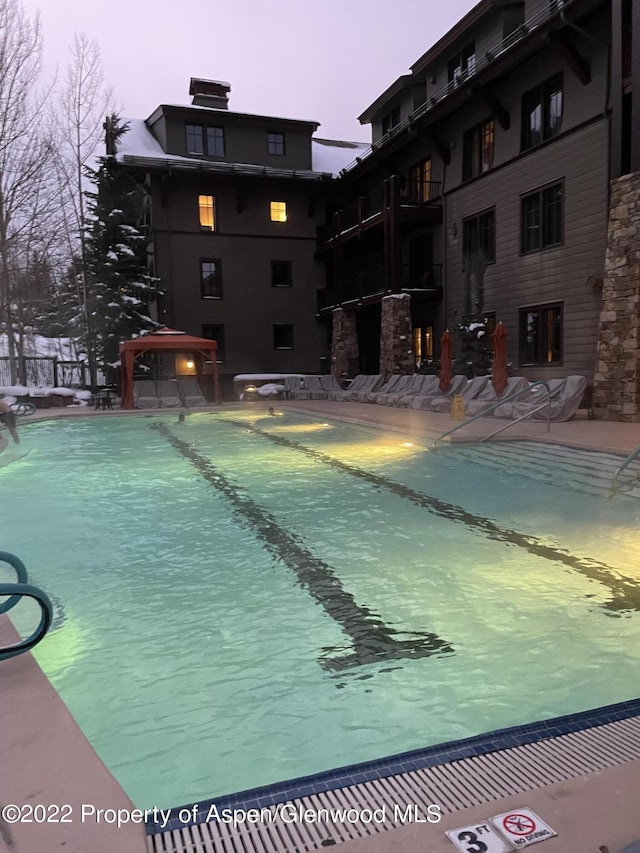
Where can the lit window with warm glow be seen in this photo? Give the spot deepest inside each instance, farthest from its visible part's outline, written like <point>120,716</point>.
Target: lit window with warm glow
<point>278,211</point>
<point>207,208</point>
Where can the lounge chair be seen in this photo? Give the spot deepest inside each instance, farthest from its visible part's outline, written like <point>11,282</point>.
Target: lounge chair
<point>468,392</point>
<point>145,394</point>
<point>191,393</point>
<point>530,400</point>
<point>329,383</point>
<point>312,389</point>
<point>430,393</point>
<point>565,404</point>
<point>421,384</point>
<point>167,390</point>
<point>393,383</point>
<point>488,396</point>
<point>362,383</point>
<point>292,385</point>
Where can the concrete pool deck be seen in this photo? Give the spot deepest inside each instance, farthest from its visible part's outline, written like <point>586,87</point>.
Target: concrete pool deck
<point>45,759</point>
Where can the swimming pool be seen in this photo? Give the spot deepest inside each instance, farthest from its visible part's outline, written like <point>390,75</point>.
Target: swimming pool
<point>244,599</point>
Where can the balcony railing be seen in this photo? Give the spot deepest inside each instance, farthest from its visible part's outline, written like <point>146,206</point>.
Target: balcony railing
<point>427,277</point>
<point>413,193</point>
<point>481,62</point>
<point>361,286</point>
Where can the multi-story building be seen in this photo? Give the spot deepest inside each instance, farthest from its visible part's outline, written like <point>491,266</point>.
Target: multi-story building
<point>234,204</point>
<point>516,137</point>
<point>497,140</point>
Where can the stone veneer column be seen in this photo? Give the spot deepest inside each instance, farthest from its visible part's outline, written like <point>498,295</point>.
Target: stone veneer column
<point>617,378</point>
<point>396,335</point>
<point>344,342</point>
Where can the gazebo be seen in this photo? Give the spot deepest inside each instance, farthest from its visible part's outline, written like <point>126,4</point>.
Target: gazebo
<point>165,340</point>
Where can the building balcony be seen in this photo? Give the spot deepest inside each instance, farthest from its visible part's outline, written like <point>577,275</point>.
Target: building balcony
<point>423,282</point>
<point>397,199</point>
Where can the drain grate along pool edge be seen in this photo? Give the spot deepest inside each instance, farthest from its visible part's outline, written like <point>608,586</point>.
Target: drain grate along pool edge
<point>453,786</point>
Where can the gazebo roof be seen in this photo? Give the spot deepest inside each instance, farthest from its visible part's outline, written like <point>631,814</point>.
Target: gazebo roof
<point>167,339</point>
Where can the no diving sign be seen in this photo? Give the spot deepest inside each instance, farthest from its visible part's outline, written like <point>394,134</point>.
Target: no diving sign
<point>502,834</point>
<point>522,827</point>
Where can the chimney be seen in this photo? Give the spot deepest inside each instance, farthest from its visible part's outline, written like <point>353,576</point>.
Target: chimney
<point>210,93</point>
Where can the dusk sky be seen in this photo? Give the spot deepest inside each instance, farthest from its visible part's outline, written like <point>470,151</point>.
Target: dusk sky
<point>325,61</point>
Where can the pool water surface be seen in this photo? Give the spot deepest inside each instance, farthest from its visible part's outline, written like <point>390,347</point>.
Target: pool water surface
<point>242,599</point>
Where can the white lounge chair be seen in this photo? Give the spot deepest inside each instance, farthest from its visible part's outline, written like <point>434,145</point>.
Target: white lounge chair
<point>167,390</point>
<point>488,396</point>
<point>145,394</point>
<point>430,393</point>
<point>191,393</point>
<point>362,383</point>
<point>530,400</point>
<point>468,392</point>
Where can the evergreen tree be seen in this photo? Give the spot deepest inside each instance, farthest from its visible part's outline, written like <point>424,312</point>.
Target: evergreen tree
<point>120,288</point>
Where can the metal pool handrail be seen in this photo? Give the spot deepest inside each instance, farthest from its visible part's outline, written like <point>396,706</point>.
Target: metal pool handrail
<point>15,593</point>
<point>19,590</point>
<point>490,409</point>
<point>613,488</point>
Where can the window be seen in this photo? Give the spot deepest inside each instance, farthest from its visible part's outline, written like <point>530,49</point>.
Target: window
<point>541,219</point>
<point>275,143</point>
<point>462,65</point>
<point>197,135</point>
<point>207,211</point>
<point>420,182</point>
<point>211,279</point>
<point>541,335</point>
<point>391,120</point>
<point>477,155</point>
<point>278,211</point>
<point>215,333</point>
<point>282,336</point>
<point>281,274</point>
<point>422,344</point>
<point>479,232</point>
<point>542,112</point>
<point>195,139</point>
<point>215,141</point>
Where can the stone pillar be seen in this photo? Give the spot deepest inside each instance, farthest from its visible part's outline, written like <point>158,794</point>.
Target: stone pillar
<point>396,335</point>
<point>616,394</point>
<point>344,342</point>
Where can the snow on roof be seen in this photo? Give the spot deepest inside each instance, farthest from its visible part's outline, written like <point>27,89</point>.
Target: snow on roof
<point>332,155</point>
<point>329,156</point>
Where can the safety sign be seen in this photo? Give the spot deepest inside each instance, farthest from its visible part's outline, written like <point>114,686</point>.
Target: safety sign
<point>522,827</point>
<point>479,838</point>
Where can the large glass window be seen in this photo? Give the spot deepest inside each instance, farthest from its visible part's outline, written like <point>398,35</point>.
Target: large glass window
<point>215,332</point>
<point>282,336</point>
<point>195,139</point>
<point>278,211</point>
<point>479,232</point>
<point>275,143</point>
<point>478,147</point>
<point>205,140</point>
<point>541,335</point>
<point>211,279</point>
<point>541,219</point>
<point>542,112</point>
<point>215,141</point>
<point>463,64</point>
<point>391,120</point>
<point>419,188</point>
<point>207,212</point>
<point>281,274</point>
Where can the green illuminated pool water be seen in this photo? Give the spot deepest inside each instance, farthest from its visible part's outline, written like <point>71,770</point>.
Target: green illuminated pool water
<point>243,599</point>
